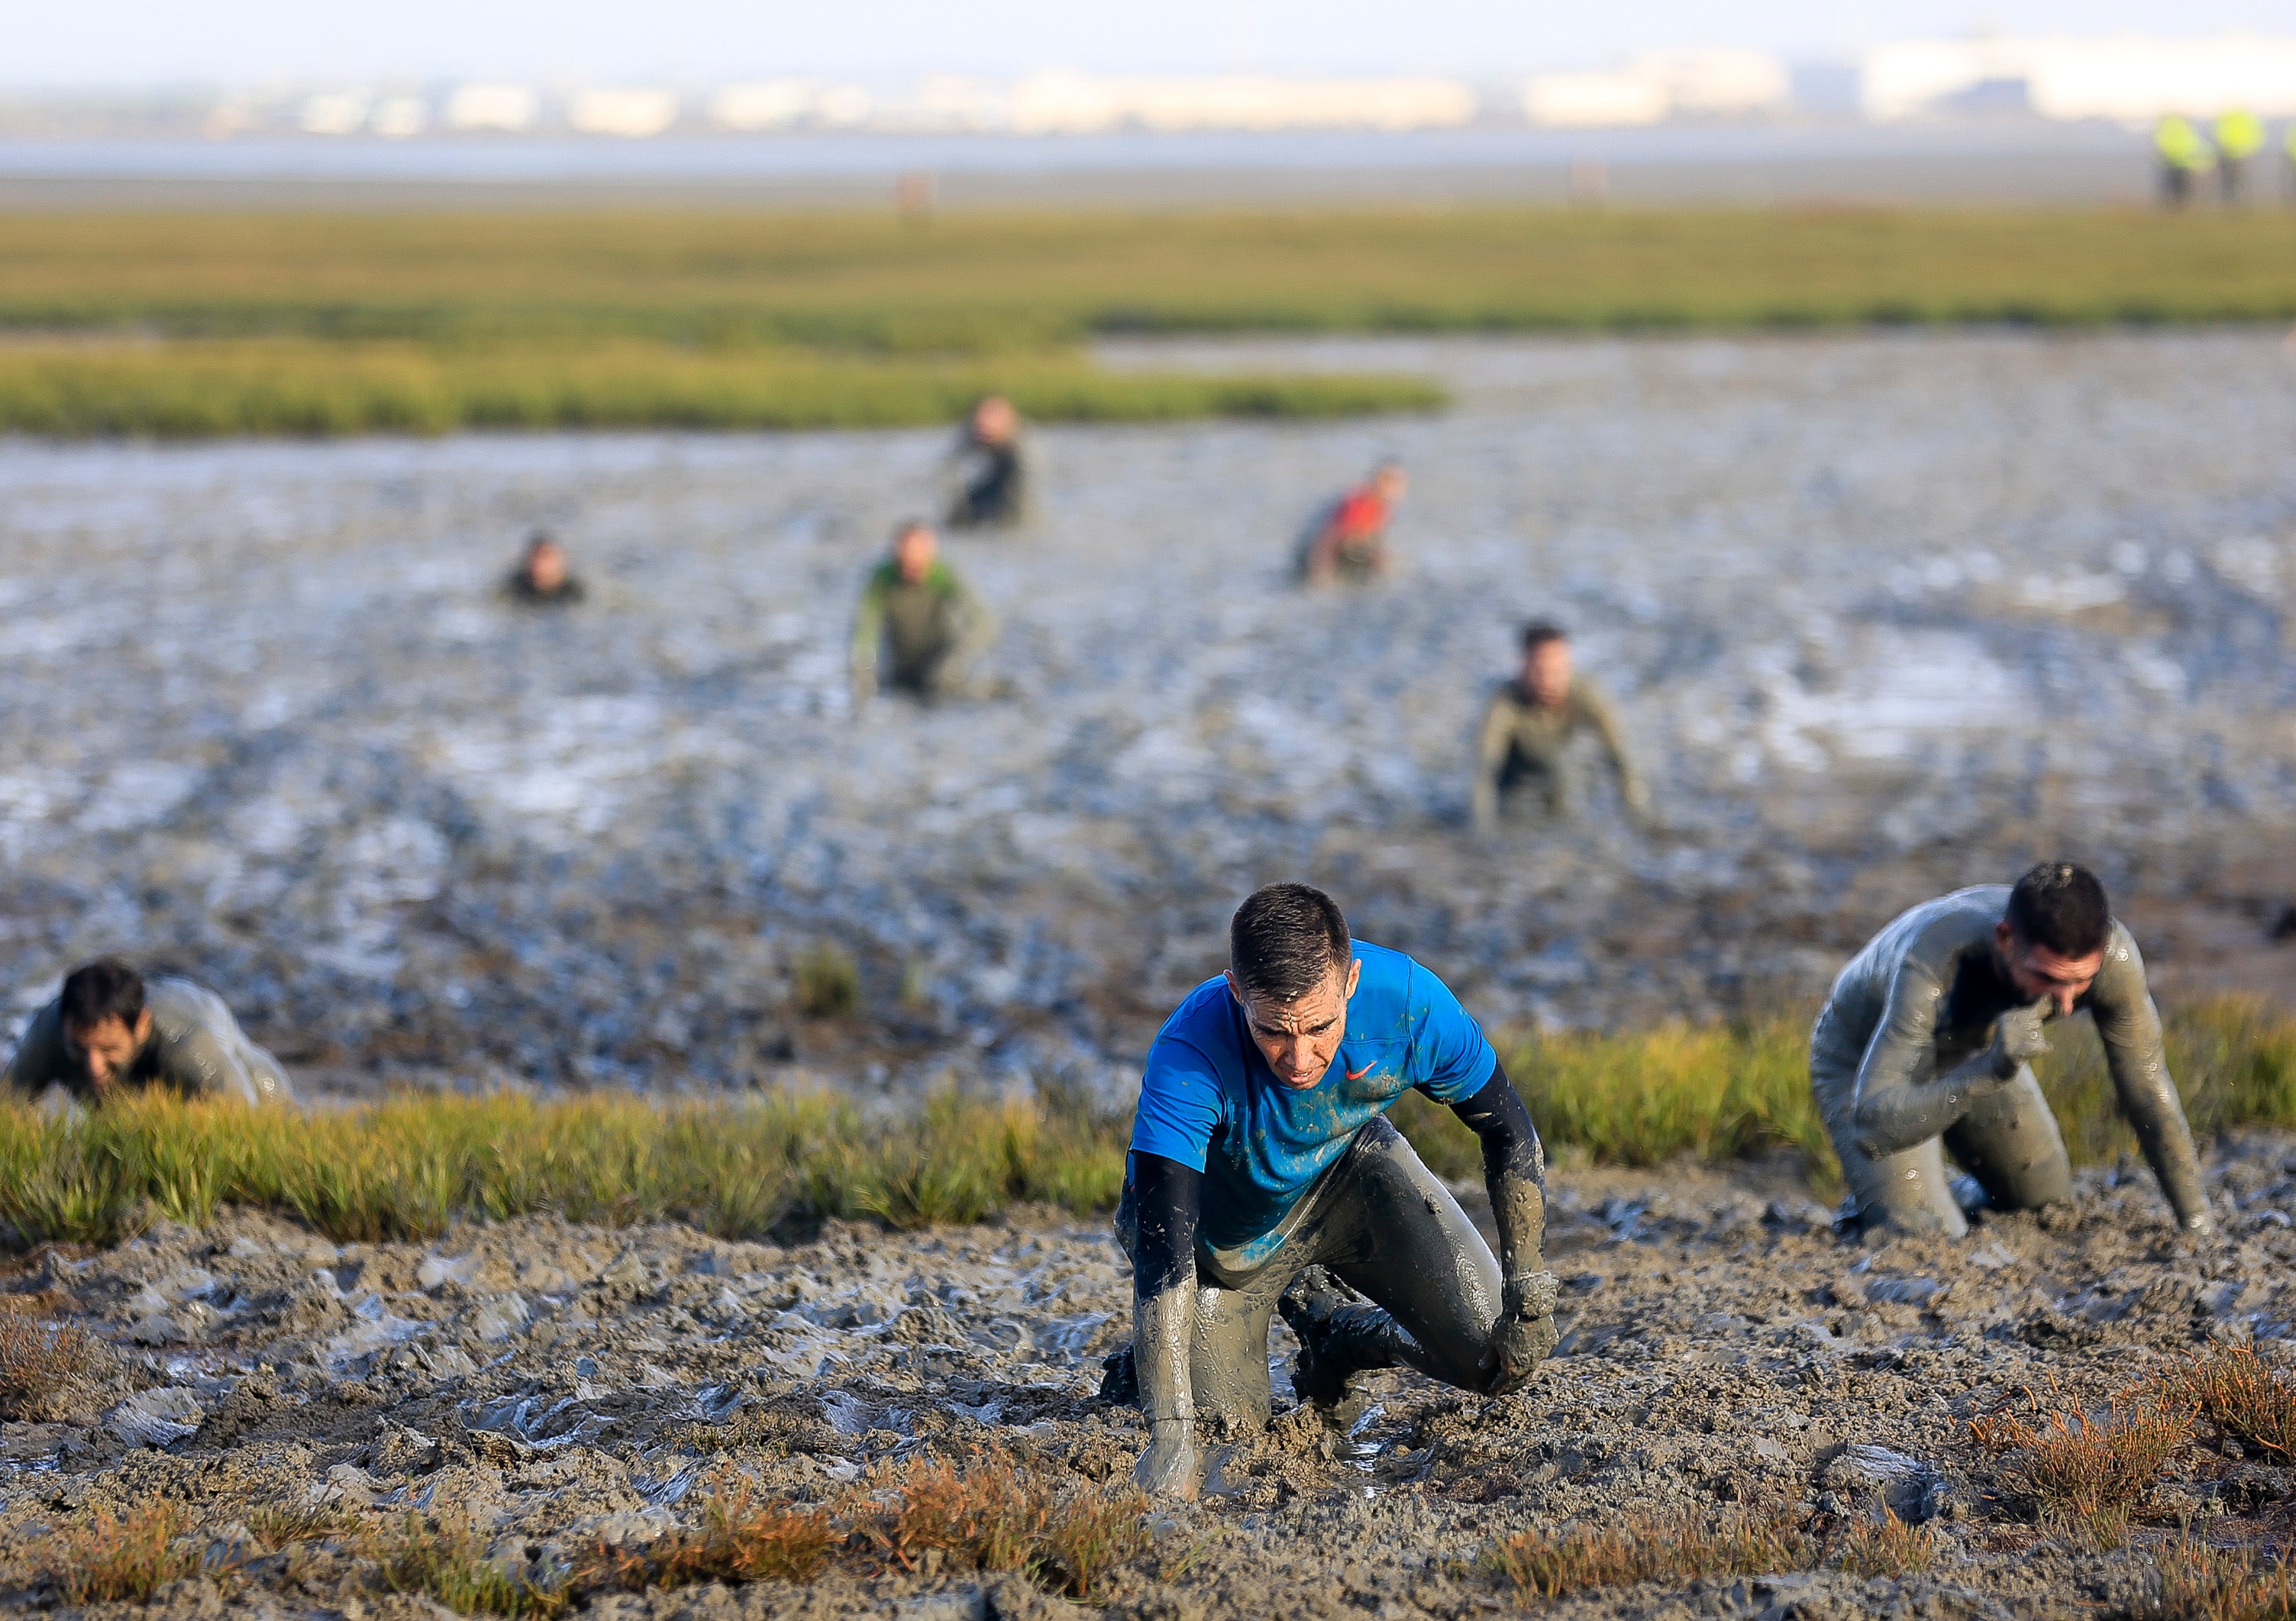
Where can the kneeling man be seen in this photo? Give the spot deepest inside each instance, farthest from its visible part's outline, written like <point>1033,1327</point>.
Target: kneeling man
<point>1259,1150</point>
<point>110,1031</point>
<point>1925,1042</point>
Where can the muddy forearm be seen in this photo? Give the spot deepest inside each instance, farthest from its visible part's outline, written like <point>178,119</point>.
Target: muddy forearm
<point>1491,758</point>
<point>2148,1097</point>
<point>1900,1112</point>
<point>1164,1285</point>
<point>1514,1172</point>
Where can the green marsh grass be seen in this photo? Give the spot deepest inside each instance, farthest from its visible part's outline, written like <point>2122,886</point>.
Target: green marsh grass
<point>186,324</point>
<point>1015,279</point>
<point>302,387</point>
<point>410,1166</point>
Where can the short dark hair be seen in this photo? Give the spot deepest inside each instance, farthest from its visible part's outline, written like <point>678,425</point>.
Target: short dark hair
<point>1285,938</point>
<point>2061,907</point>
<point>1538,633</point>
<point>908,526</point>
<point>93,992</point>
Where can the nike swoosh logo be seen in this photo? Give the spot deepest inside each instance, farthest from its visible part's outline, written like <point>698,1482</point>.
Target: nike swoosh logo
<point>1356,1075</point>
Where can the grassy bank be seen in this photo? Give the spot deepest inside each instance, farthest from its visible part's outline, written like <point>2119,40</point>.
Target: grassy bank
<point>411,1167</point>
<point>303,386</point>
<point>1024,280</point>
<point>185,323</point>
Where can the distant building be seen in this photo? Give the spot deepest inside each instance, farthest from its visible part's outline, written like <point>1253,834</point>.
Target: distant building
<point>2130,80</point>
<point>397,116</point>
<point>1664,85</point>
<point>630,113</point>
<point>773,103</point>
<point>1075,103</point>
<point>333,113</point>
<point>510,107</point>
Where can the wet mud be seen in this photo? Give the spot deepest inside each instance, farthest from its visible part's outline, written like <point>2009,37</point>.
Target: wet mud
<point>1884,615</point>
<point>554,1388</point>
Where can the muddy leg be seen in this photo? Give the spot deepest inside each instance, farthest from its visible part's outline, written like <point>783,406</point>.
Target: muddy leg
<point>1228,1359</point>
<point>1906,1192</point>
<point>1395,1234</point>
<point>2010,1143</point>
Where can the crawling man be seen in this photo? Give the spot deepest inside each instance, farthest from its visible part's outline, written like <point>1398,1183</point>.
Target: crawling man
<point>1925,1044</point>
<point>1260,1151</point>
<point>110,1031</point>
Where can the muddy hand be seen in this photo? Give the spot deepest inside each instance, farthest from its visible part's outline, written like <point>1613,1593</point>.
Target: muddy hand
<point>2018,1040</point>
<point>1525,1333</point>
<point>1168,1468</point>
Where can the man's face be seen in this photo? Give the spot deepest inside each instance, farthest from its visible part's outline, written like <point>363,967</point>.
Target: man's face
<point>1391,483</point>
<point>545,565</point>
<point>993,420</point>
<point>2040,974</point>
<point>1298,1038</point>
<point>913,553</point>
<point>105,1050</point>
<point>1546,671</point>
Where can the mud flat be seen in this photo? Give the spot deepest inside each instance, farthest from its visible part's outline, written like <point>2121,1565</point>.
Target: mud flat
<point>554,1391</point>
<point>1886,614</point>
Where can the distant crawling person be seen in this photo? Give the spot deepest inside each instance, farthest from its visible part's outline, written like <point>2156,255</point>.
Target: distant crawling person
<point>919,630</point>
<point>110,1031</point>
<point>1925,1043</point>
<point>1261,1159</point>
<point>543,575</point>
<point>992,468</point>
<point>1523,751</point>
<point>1347,539</point>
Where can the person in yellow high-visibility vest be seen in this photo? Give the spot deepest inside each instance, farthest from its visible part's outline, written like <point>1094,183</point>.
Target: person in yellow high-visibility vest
<point>2240,136</point>
<point>2184,153</point>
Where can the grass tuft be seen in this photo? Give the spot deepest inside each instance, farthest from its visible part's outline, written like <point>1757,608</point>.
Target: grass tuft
<point>448,1563</point>
<point>1676,1547</point>
<point>2240,1395</point>
<point>42,1365</point>
<point>2090,1471</point>
<point>111,1558</point>
<point>1887,1546</point>
<point>927,1513</point>
<point>828,983</point>
<point>2199,1583</point>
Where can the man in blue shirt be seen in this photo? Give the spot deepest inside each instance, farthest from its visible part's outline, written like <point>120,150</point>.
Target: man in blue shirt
<point>1260,1152</point>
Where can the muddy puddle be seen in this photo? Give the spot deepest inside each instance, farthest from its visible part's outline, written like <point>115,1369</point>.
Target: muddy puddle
<point>1884,615</point>
<point>554,1388</point>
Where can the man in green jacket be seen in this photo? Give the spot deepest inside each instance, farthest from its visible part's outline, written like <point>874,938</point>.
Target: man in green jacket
<point>919,628</point>
<point>1522,747</point>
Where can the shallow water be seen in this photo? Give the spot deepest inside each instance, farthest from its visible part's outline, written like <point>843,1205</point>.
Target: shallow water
<point>1884,613</point>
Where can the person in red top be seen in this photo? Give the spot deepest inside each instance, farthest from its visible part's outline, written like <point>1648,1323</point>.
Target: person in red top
<point>1347,540</point>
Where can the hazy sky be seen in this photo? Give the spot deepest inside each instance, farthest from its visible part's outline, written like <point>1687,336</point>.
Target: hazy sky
<point>133,42</point>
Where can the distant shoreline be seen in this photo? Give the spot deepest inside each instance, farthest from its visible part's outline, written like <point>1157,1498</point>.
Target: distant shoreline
<point>2009,161</point>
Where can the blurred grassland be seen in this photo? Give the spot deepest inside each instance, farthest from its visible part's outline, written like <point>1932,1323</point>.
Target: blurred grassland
<point>985,281</point>
<point>411,1167</point>
<point>307,388</point>
<point>185,322</point>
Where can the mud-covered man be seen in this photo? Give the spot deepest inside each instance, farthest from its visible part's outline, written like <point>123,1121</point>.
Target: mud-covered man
<point>543,577</point>
<point>111,1031</point>
<point>920,629</point>
<point>1347,541</point>
<point>1260,1151</point>
<point>991,465</point>
<point>1925,1045</point>
<point>1522,750</point>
